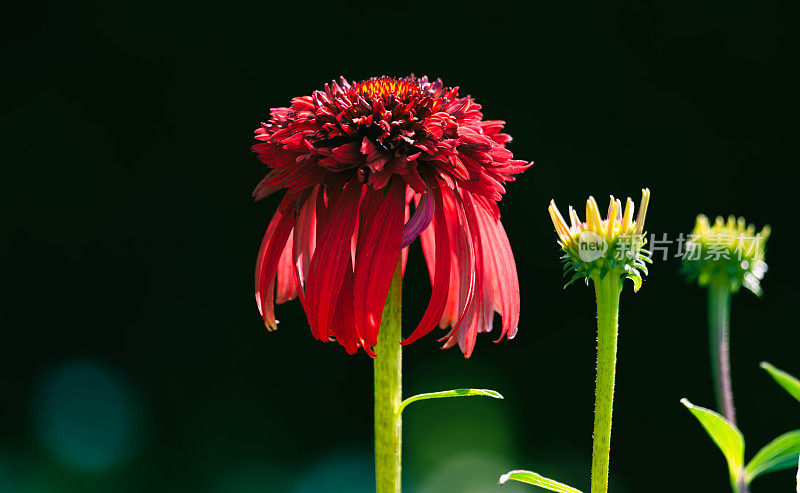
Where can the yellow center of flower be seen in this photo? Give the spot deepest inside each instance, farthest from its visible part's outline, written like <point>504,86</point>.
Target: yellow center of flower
<point>380,88</point>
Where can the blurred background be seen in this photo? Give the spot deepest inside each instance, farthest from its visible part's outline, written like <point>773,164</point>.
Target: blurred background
<point>133,357</point>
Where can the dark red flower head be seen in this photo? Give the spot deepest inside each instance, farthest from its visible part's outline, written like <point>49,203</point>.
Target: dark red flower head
<point>352,158</point>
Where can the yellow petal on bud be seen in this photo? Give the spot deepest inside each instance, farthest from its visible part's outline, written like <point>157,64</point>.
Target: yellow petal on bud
<point>611,225</point>
<point>593,219</point>
<point>611,201</point>
<point>702,225</point>
<point>627,217</point>
<point>558,221</point>
<point>574,220</point>
<point>741,224</point>
<point>642,211</point>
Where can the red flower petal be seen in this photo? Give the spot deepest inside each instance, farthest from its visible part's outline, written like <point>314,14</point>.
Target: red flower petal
<point>421,219</point>
<point>266,186</point>
<point>500,273</point>
<point>441,282</point>
<point>267,262</point>
<point>406,217</point>
<point>331,258</point>
<point>467,255</point>
<point>472,318</point>
<point>376,260</point>
<point>305,237</point>
<point>461,270</point>
<point>287,290</point>
<point>342,328</point>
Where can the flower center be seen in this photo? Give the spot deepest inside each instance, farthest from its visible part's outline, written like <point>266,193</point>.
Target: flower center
<point>384,86</point>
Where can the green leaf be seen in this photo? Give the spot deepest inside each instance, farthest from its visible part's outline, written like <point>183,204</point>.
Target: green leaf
<point>637,280</point>
<point>727,437</point>
<point>537,480</point>
<point>788,382</point>
<point>449,393</point>
<point>778,454</point>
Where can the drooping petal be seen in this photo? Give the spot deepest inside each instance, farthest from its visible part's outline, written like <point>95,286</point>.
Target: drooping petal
<point>267,186</point>
<point>451,310</point>
<point>331,258</point>
<point>462,274</point>
<point>419,221</point>
<point>376,260</point>
<point>305,237</point>
<point>370,204</point>
<point>501,283</point>
<point>286,288</point>
<point>343,328</point>
<point>441,281</point>
<point>272,247</point>
<point>467,330</point>
<point>427,239</point>
<point>406,217</point>
<point>471,318</point>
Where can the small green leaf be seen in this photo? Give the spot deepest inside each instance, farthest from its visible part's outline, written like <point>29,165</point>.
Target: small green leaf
<point>537,480</point>
<point>449,393</point>
<point>727,437</point>
<point>575,277</point>
<point>788,382</point>
<point>637,280</point>
<point>778,454</point>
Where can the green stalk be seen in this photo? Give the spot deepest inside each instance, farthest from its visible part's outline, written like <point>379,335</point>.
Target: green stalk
<point>607,291</point>
<point>388,393</point>
<point>719,313</point>
<point>719,309</point>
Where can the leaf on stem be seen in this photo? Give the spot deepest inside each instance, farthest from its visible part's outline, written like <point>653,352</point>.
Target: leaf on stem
<point>727,437</point>
<point>788,382</point>
<point>449,393</point>
<point>537,480</point>
<point>778,454</point>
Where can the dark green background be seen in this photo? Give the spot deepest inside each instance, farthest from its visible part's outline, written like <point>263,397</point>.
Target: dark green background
<point>128,239</point>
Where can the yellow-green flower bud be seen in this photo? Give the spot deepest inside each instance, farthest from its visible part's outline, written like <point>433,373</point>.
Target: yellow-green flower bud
<point>728,251</point>
<point>598,247</point>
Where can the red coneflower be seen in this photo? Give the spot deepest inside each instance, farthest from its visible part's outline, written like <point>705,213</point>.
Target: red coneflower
<point>352,158</point>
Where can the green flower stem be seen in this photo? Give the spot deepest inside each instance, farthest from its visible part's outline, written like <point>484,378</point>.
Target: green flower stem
<point>719,308</point>
<point>719,313</point>
<point>607,291</point>
<point>388,393</point>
